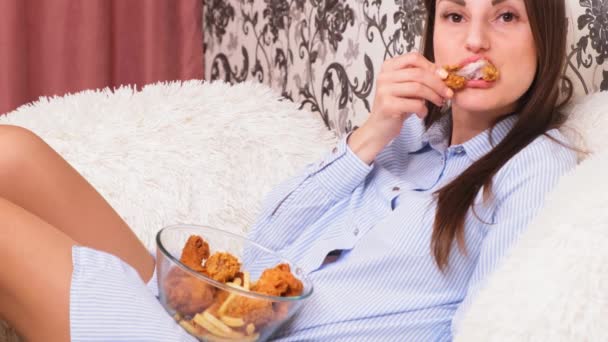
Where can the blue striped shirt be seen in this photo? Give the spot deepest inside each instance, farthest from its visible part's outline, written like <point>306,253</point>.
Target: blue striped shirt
<point>385,284</point>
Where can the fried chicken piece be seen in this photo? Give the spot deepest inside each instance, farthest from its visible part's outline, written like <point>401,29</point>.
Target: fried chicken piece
<point>222,267</point>
<point>195,251</point>
<point>478,70</point>
<point>187,294</point>
<point>278,281</point>
<point>251,310</point>
<point>455,82</point>
<point>239,275</point>
<point>490,73</point>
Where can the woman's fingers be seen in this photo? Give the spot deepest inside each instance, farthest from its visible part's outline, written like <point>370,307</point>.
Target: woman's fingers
<point>418,75</point>
<point>410,106</point>
<point>416,90</point>
<point>412,60</point>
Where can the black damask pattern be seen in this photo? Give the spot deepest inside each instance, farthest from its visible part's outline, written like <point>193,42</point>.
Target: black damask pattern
<point>218,13</point>
<point>323,26</point>
<point>596,19</point>
<point>410,16</point>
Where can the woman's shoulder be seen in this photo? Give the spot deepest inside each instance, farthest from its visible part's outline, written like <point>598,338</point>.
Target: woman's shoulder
<point>547,157</point>
<point>549,149</point>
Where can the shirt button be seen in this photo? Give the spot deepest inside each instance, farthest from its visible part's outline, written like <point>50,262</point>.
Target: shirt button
<point>396,188</point>
<point>459,149</point>
<point>356,231</point>
<point>335,150</point>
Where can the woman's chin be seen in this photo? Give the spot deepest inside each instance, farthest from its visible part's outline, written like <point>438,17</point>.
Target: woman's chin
<point>476,101</point>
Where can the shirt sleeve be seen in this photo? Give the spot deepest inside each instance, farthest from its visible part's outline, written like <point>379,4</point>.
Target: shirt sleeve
<point>521,195</point>
<point>302,200</point>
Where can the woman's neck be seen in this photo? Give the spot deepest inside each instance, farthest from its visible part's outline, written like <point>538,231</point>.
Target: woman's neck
<point>467,125</point>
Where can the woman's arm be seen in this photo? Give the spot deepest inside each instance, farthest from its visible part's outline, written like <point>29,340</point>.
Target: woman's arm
<point>302,200</point>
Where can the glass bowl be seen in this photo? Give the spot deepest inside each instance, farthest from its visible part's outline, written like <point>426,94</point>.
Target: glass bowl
<point>212,310</point>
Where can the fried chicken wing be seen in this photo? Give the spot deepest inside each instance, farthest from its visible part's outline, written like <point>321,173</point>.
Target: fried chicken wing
<point>251,310</point>
<point>187,294</point>
<point>278,281</point>
<point>478,70</point>
<point>222,267</point>
<point>195,251</point>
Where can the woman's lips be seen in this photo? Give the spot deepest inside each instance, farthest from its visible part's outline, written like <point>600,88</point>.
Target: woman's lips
<point>479,84</point>
<point>473,59</point>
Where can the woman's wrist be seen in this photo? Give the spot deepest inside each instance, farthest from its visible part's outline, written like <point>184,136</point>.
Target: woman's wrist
<point>365,144</point>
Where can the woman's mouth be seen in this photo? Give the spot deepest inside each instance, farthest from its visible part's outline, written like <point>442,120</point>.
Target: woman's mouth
<point>474,72</point>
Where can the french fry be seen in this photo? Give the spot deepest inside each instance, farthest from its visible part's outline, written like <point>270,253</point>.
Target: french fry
<point>191,329</point>
<point>225,304</point>
<point>237,281</point>
<point>250,329</point>
<point>235,285</point>
<point>246,280</point>
<point>234,322</point>
<point>213,338</point>
<point>219,324</point>
<point>203,322</point>
<point>215,326</point>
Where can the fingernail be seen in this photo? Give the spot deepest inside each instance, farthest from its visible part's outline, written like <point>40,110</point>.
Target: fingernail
<point>442,73</point>
<point>449,93</point>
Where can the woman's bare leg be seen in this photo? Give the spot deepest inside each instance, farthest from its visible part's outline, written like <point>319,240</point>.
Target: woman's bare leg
<point>36,275</point>
<point>34,177</point>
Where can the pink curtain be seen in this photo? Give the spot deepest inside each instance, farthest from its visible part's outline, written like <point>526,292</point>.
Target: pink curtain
<point>52,47</point>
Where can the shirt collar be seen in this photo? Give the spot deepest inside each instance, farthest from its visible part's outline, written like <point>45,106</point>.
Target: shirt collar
<point>437,137</point>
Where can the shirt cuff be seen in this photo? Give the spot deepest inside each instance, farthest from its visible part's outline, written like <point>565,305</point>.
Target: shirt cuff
<point>342,171</point>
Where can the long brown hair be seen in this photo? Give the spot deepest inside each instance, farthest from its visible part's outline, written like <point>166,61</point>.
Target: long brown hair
<point>538,111</point>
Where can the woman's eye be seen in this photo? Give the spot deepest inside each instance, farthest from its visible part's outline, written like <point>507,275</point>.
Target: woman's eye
<point>454,17</point>
<point>508,17</point>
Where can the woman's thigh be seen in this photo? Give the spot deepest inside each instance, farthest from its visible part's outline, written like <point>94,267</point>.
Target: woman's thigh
<point>35,177</point>
<point>36,274</point>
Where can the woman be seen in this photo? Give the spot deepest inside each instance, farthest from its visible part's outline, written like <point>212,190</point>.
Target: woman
<point>397,227</point>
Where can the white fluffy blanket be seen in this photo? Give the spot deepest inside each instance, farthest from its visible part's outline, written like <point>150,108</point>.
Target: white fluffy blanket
<point>554,284</point>
<point>202,153</point>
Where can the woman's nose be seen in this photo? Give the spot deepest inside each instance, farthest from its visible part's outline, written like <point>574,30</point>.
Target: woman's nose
<point>477,37</point>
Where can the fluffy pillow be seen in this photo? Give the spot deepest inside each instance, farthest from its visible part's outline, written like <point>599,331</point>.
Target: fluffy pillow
<point>553,286</point>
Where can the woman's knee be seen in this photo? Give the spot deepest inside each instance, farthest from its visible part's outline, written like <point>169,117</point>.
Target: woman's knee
<point>18,146</point>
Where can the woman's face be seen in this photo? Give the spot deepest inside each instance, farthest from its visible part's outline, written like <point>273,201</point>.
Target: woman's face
<point>498,30</point>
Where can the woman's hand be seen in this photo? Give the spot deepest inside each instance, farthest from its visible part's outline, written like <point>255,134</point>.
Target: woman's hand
<point>404,85</point>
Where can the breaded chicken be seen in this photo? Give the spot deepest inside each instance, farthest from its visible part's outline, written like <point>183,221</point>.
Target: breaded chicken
<point>222,267</point>
<point>187,294</point>
<point>279,282</point>
<point>251,310</point>
<point>478,70</point>
<point>195,251</point>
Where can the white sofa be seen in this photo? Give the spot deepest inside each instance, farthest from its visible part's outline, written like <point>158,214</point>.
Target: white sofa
<point>206,153</point>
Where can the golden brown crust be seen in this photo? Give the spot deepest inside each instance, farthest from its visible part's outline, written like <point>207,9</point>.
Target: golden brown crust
<point>251,310</point>
<point>222,267</point>
<point>187,294</point>
<point>195,251</point>
<point>278,281</point>
<point>490,73</point>
<point>455,82</point>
